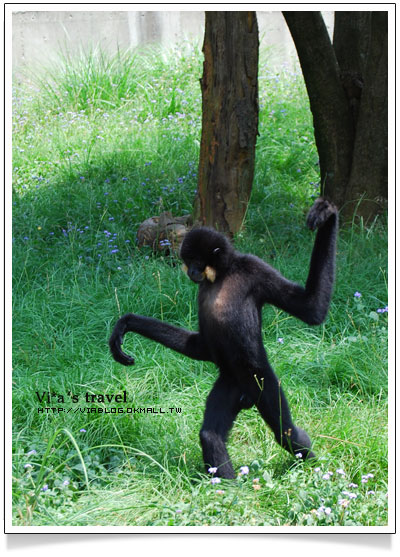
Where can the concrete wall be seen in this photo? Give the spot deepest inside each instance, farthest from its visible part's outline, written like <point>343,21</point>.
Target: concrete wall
<point>38,36</point>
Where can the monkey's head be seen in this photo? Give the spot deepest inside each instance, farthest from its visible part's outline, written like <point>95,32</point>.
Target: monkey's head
<point>206,253</point>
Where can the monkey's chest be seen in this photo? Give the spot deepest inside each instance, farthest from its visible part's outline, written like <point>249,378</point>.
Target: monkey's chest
<point>216,305</point>
<point>230,329</point>
<point>226,308</point>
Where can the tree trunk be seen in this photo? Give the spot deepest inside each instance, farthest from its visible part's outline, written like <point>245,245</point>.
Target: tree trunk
<point>229,119</point>
<point>351,44</point>
<point>351,40</point>
<point>347,87</point>
<point>369,173</point>
<point>331,113</point>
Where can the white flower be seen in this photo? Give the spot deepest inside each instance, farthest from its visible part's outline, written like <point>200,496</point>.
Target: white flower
<point>324,510</point>
<point>215,480</point>
<point>350,495</point>
<point>244,470</point>
<point>212,470</point>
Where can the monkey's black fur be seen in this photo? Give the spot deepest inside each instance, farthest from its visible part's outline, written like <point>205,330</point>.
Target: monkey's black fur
<point>229,333</point>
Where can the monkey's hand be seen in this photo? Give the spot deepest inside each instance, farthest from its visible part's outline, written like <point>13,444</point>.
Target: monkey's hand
<point>115,343</point>
<point>320,212</point>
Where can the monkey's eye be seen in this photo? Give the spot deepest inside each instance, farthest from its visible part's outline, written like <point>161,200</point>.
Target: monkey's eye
<point>216,250</point>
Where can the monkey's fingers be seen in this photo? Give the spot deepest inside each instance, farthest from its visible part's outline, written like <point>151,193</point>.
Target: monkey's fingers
<point>118,355</point>
<point>124,359</point>
<point>320,213</point>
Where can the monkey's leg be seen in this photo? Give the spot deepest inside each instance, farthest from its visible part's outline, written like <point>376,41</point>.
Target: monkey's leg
<point>222,407</point>
<point>271,402</point>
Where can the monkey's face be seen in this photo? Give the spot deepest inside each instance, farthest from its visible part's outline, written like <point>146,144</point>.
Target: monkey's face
<point>195,273</point>
<point>205,253</point>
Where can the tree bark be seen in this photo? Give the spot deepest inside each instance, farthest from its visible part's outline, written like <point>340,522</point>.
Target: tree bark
<point>351,40</point>
<point>368,182</point>
<point>347,87</point>
<point>229,119</point>
<point>332,117</point>
<point>351,44</point>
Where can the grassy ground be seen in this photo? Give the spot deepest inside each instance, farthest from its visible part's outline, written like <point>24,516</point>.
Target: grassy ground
<point>100,144</point>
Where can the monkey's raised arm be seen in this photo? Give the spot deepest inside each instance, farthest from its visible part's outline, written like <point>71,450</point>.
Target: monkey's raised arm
<point>310,304</point>
<point>186,342</point>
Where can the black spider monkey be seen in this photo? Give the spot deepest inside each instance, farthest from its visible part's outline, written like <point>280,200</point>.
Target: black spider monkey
<point>233,287</point>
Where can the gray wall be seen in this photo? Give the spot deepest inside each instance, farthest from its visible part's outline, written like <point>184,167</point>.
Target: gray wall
<point>37,37</point>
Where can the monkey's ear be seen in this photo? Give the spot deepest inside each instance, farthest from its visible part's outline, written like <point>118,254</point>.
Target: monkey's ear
<point>216,250</point>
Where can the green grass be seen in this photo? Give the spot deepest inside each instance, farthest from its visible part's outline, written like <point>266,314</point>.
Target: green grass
<point>100,144</point>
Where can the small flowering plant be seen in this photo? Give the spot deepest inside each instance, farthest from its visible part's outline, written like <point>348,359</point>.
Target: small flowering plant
<point>360,306</point>
<point>334,500</point>
<point>366,318</point>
